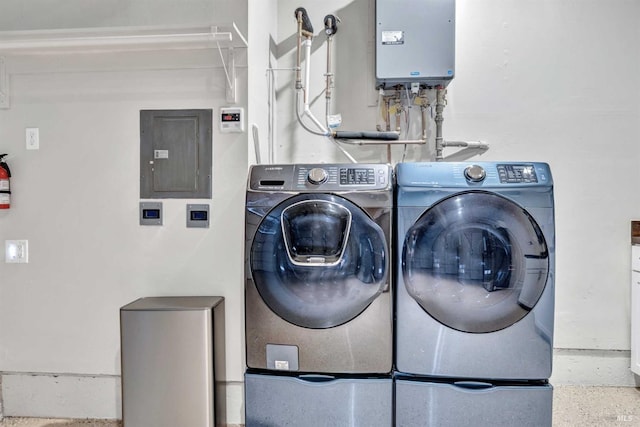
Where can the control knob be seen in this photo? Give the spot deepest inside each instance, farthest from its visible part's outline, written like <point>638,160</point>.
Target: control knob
<point>317,176</point>
<point>475,173</point>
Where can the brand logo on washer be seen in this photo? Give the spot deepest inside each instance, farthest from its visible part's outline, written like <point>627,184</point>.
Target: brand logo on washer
<point>274,168</point>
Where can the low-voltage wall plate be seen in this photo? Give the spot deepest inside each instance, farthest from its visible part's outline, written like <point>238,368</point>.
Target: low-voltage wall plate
<point>150,213</point>
<point>197,216</point>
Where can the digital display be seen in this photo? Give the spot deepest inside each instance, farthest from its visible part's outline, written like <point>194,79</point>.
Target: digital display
<point>198,215</point>
<point>357,176</point>
<point>515,174</point>
<point>151,213</point>
<point>230,117</point>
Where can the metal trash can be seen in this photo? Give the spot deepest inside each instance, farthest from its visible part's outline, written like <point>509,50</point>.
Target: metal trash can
<point>173,365</point>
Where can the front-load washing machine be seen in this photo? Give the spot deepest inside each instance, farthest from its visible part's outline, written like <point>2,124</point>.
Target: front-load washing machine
<point>317,291</point>
<point>475,273</point>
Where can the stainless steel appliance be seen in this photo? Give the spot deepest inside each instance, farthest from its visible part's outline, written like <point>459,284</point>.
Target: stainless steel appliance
<point>173,365</point>
<point>318,303</point>
<point>317,291</point>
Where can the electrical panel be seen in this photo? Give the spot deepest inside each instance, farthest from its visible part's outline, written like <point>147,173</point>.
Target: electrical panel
<point>176,154</point>
<point>415,42</point>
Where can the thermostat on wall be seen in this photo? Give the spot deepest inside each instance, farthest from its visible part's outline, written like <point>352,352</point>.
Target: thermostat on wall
<point>231,119</point>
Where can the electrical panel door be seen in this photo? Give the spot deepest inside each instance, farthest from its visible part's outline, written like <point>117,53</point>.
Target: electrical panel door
<point>175,154</point>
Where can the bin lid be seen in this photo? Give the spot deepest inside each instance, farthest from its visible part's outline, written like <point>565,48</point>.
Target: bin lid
<point>174,303</point>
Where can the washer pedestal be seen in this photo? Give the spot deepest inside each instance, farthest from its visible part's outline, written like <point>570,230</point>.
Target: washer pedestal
<point>313,401</point>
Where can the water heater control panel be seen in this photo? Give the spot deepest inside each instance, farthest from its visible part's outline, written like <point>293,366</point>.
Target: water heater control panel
<point>231,120</point>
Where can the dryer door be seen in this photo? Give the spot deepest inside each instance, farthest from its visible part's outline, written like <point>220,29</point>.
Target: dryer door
<point>476,262</point>
<point>318,260</point>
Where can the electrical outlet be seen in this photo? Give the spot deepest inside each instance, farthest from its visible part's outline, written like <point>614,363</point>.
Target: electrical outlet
<point>33,138</point>
<point>16,251</point>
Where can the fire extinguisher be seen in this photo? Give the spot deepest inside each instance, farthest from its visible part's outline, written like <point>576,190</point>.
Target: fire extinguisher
<point>5,186</point>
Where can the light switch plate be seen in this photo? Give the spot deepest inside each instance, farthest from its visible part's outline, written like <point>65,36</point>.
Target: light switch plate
<point>16,251</point>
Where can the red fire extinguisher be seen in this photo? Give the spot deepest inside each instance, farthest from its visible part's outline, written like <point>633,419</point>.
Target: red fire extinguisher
<point>5,186</point>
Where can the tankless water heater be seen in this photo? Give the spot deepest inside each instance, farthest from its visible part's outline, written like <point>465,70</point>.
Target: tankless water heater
<point>415,42</point>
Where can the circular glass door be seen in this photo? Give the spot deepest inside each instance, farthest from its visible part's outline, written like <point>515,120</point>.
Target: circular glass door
<point>318,260</point>
<point>476,262</point>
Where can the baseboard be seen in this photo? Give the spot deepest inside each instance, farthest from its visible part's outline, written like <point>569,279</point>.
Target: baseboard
<point>53,395</point>
<point>60,395</point>
<point>609,368</point>
<point>49,395</point>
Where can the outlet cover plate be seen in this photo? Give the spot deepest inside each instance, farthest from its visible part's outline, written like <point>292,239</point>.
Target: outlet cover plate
<point>32,136</point>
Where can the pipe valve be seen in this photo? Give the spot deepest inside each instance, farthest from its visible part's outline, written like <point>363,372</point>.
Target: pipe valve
<point>302,18</point>
<point>331,24</point>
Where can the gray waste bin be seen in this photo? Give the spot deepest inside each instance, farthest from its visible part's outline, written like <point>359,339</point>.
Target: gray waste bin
<point>173,367</point>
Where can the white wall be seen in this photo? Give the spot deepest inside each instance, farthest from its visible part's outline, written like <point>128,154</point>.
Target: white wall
<point>263,24</point>
<point>76,201</point>
<point>539,81</point>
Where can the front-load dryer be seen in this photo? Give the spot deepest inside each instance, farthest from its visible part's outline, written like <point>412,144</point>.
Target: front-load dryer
<point>317,291</point>
<point>475,272</point>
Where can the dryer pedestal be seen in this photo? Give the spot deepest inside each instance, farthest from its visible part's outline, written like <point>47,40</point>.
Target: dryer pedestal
<point>424,403</point>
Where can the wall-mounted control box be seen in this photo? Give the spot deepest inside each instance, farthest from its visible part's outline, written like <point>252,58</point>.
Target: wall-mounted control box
<point>150,213</point>
<point>415,42</point>
<point>197,216</point>
<point>231,119</point>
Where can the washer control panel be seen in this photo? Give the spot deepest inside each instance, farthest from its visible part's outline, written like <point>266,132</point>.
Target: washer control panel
<point>317,176</point>
<point>357,176</point>
<point>321,177</point>
<point>343,177</point>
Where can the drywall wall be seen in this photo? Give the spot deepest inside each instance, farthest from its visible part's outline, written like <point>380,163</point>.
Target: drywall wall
<point>64,14</point>
<point>539,81</point>
<point>76,201</point>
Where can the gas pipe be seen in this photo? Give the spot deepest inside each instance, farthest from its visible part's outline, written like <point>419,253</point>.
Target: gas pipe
<point>5,185</point>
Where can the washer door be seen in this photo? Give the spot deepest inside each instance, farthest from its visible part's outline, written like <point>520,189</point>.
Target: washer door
<point>318,260</point>
<point>476,262</point>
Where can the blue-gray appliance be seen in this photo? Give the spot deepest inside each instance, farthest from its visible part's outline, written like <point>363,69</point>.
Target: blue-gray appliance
<point>424,402</point>
<point>474,289</point>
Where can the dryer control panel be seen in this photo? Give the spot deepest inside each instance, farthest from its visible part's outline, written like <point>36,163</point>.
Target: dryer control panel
<point>517,173</point>
<point>321,177</point>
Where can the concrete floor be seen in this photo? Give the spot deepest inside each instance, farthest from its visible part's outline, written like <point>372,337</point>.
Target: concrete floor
<point>572,406</point>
